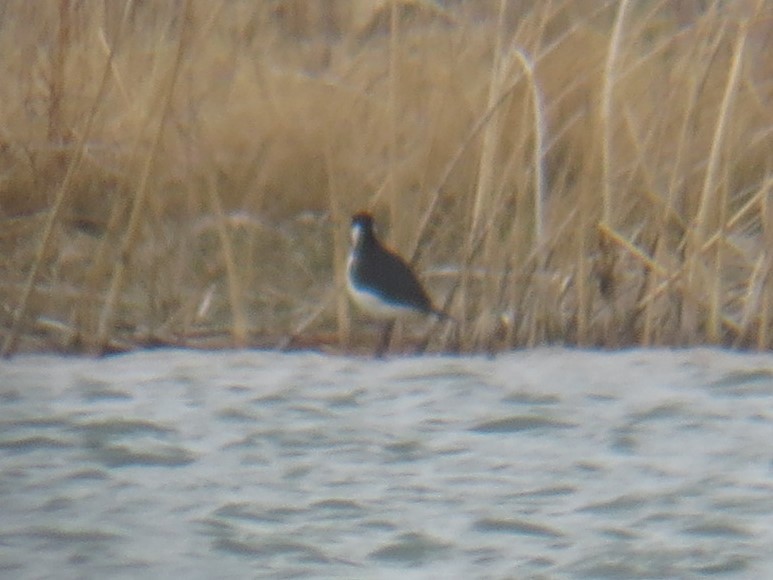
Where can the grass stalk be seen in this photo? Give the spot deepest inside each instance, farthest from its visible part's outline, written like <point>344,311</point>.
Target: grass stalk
<point>714,196</point>
<point>485,183</point>
<point>57,89</point>
<point>763,327</point>
<point>538,162</point>
<point>53,215</point>
<point>138,205</point>
<point>607,96</point>
<point>340,245</point>
<point>485,191</point>
<point>392,110</point>
<point>582,275</point>
<point>235,297</point>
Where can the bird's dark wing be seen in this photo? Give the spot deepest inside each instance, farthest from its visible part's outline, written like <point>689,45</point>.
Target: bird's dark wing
<point>393,280</point>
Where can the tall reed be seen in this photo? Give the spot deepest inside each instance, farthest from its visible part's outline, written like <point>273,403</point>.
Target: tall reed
<point>590,173</point>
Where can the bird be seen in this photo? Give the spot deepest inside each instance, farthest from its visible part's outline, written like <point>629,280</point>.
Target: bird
<point>379,281</point>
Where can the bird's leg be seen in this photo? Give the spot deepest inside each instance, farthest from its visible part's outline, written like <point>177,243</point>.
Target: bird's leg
<point>386,337</point>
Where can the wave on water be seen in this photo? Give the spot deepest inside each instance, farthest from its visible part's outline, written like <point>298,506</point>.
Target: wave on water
<point>549,462</point>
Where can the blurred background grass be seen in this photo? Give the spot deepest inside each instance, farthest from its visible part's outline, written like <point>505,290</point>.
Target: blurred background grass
<point>583,172</point>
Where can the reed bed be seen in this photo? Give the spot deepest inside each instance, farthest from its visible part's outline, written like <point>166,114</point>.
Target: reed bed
<point>593,173</point>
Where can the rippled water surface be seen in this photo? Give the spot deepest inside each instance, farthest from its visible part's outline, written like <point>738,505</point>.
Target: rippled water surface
<point>546,463</point>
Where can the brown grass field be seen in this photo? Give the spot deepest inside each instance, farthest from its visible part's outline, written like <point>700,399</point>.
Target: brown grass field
<point>583,172</point>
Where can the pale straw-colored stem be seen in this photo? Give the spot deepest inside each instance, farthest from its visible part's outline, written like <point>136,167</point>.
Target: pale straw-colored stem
<point>141,193</point>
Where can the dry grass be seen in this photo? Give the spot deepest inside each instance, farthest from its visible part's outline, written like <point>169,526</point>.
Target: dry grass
<point>580,172</point>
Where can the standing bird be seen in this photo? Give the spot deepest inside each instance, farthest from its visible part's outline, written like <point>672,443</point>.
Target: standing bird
<point>379,281</point>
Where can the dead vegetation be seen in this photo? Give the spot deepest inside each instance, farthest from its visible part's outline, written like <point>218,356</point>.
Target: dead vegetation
<point>578,172</point>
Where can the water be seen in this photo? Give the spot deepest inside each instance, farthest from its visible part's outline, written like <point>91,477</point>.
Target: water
<point>545,463</point>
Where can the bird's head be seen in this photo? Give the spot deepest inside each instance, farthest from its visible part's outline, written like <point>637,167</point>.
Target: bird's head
<point>362,225</point>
